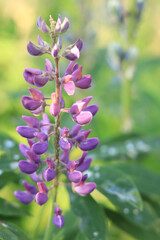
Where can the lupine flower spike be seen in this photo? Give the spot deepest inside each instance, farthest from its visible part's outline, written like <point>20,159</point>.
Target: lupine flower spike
<point>39,132</point>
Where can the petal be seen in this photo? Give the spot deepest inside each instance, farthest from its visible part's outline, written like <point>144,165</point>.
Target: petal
<point>58,25</point>
<point>69,88</point>
<point>84,82</point>
<point>69,69</point>
<point>85,188</point>
<point>78,106</point>
<point>89,144</point>
<point>41,198</point>
<point>23,197</point>
<point>74,176</point>
<point>58,221</point>
<point>83,118</point>
<point>84,165</point>
<point>40,81</point>
<point>35,177</point>
<point>31,121</point>
<point>64,25</point>
<point>92,108</point>
<point>33,49</point>
<point>41,136</point>
<point>75,130</point>
<point>72,54</point>
<point>30,187</point>
<point>33,157</point>
<point>65,156</point>
<point>30,104</point>
<point>48,66</point>
<point>54,109</point>
<point>27,167</point>
<point>40,147</point>
<point>79,44</point>
<point>49,174</point>
<point>26,132</point>
<point>23,149</point>
<point>77,74</point>
<point>65,144</point>
<point>36,93</point>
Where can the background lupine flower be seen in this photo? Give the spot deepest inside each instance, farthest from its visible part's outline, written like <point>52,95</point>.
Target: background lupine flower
<point>39,132</point>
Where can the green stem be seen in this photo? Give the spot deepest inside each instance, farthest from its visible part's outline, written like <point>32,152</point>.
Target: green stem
<point>48,233</point>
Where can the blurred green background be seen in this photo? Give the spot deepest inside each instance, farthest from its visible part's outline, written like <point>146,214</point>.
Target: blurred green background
<point>88,20</point>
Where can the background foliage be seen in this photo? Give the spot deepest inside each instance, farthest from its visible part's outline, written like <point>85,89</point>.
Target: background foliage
<point>126,168</point>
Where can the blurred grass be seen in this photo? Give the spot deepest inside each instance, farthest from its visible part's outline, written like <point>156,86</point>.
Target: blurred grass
<point>88,20</point>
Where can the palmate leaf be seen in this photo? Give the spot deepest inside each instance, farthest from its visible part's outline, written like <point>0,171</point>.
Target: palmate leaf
<point>9,153</point>
<point>117,187</point>
<point>6,234</point>
<point>8,209</point>
<point>92,221</point>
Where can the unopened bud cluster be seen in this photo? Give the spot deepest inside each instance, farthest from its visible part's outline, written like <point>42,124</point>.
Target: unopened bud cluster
<point>39,132</point>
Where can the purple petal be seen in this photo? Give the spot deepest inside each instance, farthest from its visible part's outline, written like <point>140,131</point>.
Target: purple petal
<point>35,177</point>
<point>33,49</point>
<point>54,109</point>
<point>27,167</point>
<point>33,157</point>
<point>92,108</point>
<point>44,27</point>
<point>48,66</point>
<point>46,129</point>
<point>89,144</point>
<point>82,135</point>
<point>36,93</point>
<point>49,174</point>
<point>66,78</point>
<point>58,25</point>
<point>78,106</point>
<point>40,147</point>
<point>72,54</point>
<point>83,118</point>
<point>69,88</point>
<point>85,188</point>
<point>30,104</point>
<point>31,121</point>
<point>33,71</point>
<point>84,82</point>
<point>64,25</point>
<point>84,165</point>
<point>23,149</point>
<point>42,187</point>
<point>65,156</point>
<point>26,132</point>
<point>64,132</point>
<point>65,144</point>
<point>23,197</point>
<point>79,44</point>
<point>40,81</point>
<point>41,198</point>
<point>58,221</point>
<point>77,74</point>
<point>75,130</point>
<point>59,42</point>
<point>41,136</point>
<point>39,22</point>
<point>69,69</point>
<point>74,176</point>
<point>30,187</point>
<point>55,51</point>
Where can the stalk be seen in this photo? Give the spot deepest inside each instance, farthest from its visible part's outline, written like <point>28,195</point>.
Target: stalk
<point>48,233</point>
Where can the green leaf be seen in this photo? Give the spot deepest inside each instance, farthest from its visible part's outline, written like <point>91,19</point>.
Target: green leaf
<point>147,182</point>
<point>7,177</point>
<point>92,221</point>
<point>136,231</point>
<point>81,236</point>
<point>8,209</point>
<point>117,187</point>
<point>9,153</point>
<point>5,234</point>
<point>16,230</point>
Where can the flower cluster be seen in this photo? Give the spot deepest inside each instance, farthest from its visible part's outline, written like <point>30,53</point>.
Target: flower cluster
<point>42,166</point>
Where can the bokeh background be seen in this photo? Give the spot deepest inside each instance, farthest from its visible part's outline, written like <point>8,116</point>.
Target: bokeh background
<point>89,21</point>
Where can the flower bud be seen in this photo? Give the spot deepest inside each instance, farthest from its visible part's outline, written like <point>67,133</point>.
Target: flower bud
<point>84,82</point>
<point>64,25</point>
<point>30,104</point>
<point>33,157</point>
<point>36,93</point>
<point>89,144</point>
<point>41,198</point>
<point>41,136</point>
<point>92,108</point>
<point>41,24</point>
<point>58,25</point>
<point>82,135</point>
<point>78,106</point>
<point>58,219</point>
<point>30,73</point>
<point>23,149</point>
<point>75,130</point>
<point>40,147</point>
<point>33,49</point>
<point>35,177</point>
<point>48,66</point>
<point>84,165</point>
<point>30,187</point>
<point>49,174</point>
<point>79,44</point>
<point>26,132</point>
<point>65,144</point>
<point>55,51</point>
<point>40,81</point>
<point>23,197</point>
<point>85,188</point>
<point>27,167</point>
<point>71,54</point>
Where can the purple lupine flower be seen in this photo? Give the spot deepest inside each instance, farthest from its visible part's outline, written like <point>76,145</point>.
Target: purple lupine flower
<point>39,133</point>
<point>58,219</point>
